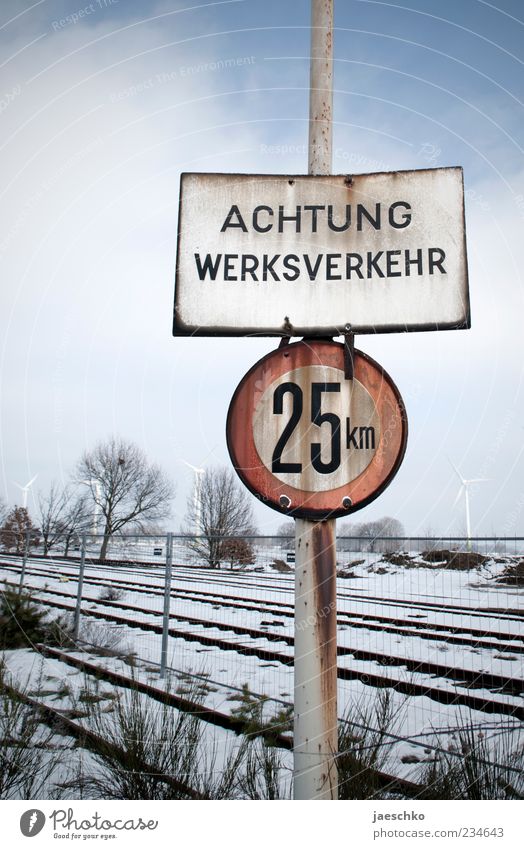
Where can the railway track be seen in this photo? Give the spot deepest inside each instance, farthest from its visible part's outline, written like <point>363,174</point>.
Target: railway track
<point>201,575</point>
<point>453,634</point>
<point>286,586</point>
<point>367,620</point>
<point>88,739</point>
<point>467,679</point>
<point>94,742</point>
<point>479,680</point>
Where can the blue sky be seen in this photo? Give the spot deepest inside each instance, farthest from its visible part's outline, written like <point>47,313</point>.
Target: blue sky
<point>100,113</point>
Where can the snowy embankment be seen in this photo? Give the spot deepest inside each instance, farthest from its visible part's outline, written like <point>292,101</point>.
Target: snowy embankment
<point>425,600</point>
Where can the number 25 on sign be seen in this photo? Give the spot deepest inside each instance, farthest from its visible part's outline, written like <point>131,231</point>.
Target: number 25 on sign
<point>310,443</point>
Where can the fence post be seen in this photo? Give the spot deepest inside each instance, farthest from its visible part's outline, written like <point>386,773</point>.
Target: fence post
<point>167,605</point>
<point>76,630</point>
<point>24,559</point>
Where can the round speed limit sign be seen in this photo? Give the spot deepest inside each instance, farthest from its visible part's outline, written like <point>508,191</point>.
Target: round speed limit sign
<point>307,441</point>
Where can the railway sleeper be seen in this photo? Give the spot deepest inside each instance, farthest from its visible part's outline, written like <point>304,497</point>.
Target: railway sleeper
<point>386,782</point>
<point>465,677</point>
<point>408,688</point>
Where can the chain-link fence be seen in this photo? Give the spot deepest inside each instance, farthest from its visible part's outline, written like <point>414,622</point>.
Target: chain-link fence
<point>430,631</point>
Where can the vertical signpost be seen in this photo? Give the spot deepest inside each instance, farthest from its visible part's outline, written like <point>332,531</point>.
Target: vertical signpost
<point>316,429</point>
<point>315,727</point>
<point>313,444</point>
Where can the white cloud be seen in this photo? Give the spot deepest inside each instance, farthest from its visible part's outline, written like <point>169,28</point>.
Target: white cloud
<point>92,150</point>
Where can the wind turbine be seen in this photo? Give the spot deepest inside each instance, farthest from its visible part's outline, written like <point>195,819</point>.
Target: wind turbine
<point>464,488</point>
<point>25,490</point>
<point>197,496</point>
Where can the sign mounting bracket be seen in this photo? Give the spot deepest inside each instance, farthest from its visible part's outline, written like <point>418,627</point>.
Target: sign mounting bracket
<point>349,352</point>
<point>288,331</point>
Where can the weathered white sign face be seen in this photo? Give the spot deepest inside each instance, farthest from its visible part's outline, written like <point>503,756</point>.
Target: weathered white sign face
<point>308,255</point>
<point>328,448</point>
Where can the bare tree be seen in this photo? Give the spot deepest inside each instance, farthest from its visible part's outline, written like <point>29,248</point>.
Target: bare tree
<point>125,486</point>
<point>286,534</point>
<point>346,537</point>
<point>76,521</point>
<point>224,511</point>
<point>238,552</point>
<point>384,527</point>
<point>52,512</point>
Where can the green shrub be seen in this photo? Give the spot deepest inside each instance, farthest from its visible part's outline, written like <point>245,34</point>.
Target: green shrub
<point>477,767</point>
<point>150,750</point>
<point>23,623</point>
<point>28,756</point>
<point>253,719</point>
<point>21,620</point>
<point>363,747</point>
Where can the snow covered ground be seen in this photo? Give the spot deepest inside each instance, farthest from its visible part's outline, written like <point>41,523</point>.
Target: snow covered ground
<point>379,590</point>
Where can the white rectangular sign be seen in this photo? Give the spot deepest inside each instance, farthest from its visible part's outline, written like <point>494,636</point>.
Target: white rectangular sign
<point>266,254</point>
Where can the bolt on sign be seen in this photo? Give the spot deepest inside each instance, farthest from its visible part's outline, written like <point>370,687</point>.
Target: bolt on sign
<point>307,441</point>
<point>307,255</point>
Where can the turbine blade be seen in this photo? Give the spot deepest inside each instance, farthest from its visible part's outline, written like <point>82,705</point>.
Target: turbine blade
<point>452,464</point>
<point>477,480</point>
<point>30,482</point>
<point>188,465</point>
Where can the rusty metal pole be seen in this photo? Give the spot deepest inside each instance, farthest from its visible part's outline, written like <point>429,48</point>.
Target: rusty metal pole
<point>321,88</point>
<point>315,719</point>
<point>315,724</point>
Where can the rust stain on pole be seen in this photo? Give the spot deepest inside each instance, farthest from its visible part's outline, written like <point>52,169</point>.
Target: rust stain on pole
<point>316,725</point>
<point>323,557</point>
<point>324,570</point>
<point>321,88</point>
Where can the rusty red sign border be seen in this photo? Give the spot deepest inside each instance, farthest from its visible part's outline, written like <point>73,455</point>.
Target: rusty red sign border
<point>317,505</point>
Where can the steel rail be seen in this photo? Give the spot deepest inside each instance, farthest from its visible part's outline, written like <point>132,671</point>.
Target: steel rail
<point>385,781</point>
<point>467,677</point>
<point>344,617</point>
<point>410,688</point>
